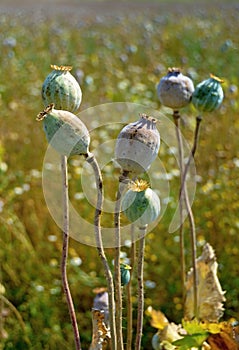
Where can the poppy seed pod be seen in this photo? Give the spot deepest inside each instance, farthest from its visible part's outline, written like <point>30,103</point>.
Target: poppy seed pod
<point>140,204</point>
<point>125,274</point>
<point>62,89</point>
<point>156,341</point>
<point>208,94</point>
<point>175,89</point>
<point>137,145</point>
<point>65,131</point>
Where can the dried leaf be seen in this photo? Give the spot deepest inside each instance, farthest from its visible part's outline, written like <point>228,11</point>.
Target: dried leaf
<point>158,319</point>
<point>101,333</point>
<point>210,293</point>
<point>222,341</point>
<point>100,312</point>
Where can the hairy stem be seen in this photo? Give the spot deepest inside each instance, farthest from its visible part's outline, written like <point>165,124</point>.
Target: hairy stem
<point>129,293</point>
<point>65,246</point>
<point>184,193</point>
<point>90,158</point>
<point>123,180</point>
<point>140,315</point>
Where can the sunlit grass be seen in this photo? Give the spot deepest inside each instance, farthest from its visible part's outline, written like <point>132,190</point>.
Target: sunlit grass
<point>116,58</point>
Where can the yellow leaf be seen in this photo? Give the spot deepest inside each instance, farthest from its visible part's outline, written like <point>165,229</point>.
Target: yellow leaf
<point>230,327</point>
<point>212,328</point>
<point>158,319</point>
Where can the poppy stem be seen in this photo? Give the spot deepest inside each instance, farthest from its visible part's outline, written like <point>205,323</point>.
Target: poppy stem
<point>65,246</point>
<point>184,196</point>
<point>90,158</point>
<point>140,315</point>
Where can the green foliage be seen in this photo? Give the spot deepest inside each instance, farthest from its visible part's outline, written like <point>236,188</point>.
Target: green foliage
<point>118,58</point>
<point>195,336</point>
<point>191,341</point>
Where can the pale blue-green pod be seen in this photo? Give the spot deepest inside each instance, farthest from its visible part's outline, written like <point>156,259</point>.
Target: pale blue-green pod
<point>140,204</point>
<point>61,88</point>
<point>156,342</point>
<point>125,274</point>
<point>65,131</point>
<point>208,94</point>
<point>175,89</point>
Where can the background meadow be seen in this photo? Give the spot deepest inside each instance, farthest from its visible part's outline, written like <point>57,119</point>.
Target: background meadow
<point>118,52</point>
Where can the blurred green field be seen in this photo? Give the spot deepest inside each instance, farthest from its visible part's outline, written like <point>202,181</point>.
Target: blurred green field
<point>118,57</point>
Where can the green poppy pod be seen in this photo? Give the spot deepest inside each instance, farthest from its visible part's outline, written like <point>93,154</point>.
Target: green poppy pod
<point>125,274</point>
<point>65,131</point>
<point>140,204</point>
<point>137,145</point>
<point>175,89</point>
<point>62,89</point>
<point>208,94</point>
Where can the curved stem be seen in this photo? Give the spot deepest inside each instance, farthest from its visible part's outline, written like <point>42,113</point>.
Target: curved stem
<point>90,158</point>
<point>15,311</point>
<point>123,180</point>
<point>193,151</point>
<point>194,255</point>
<point>140,315</point>
<point>176,117</point>
<point>191,219</point>
<point>65,245</point>
<point>129,293</point>
<point>191,223</point>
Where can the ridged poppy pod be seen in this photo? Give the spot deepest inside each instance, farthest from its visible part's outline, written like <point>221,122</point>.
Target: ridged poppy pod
<point>62,89</point>
<point>65,131</point>
<point>125,274</point>
<point>175,89</point>
<point>137,145</point>
<point>208,94</point>
<point>140,204</point>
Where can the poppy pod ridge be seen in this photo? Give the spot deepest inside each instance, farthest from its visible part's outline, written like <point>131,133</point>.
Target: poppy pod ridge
<point>61,88</point>
<point>65,131</point>
<point>140,204</point>
<point>208,94</point>
<point>137,145</point>
<point>175,89</point>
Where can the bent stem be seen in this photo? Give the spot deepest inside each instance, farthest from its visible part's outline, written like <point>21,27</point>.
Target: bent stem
<point>184,194</point>
<point>123,180</point>
<point>13,308</point>
<point>129,293</point>
<point>193,151</point>
<point>140,315</point>
<point>176,117</point>
<point>65,246</point>
<point>90,158</point>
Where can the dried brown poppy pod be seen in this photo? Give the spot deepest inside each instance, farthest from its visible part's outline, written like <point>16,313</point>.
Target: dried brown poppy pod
<point>175,89</point>
<point>137,145</point>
